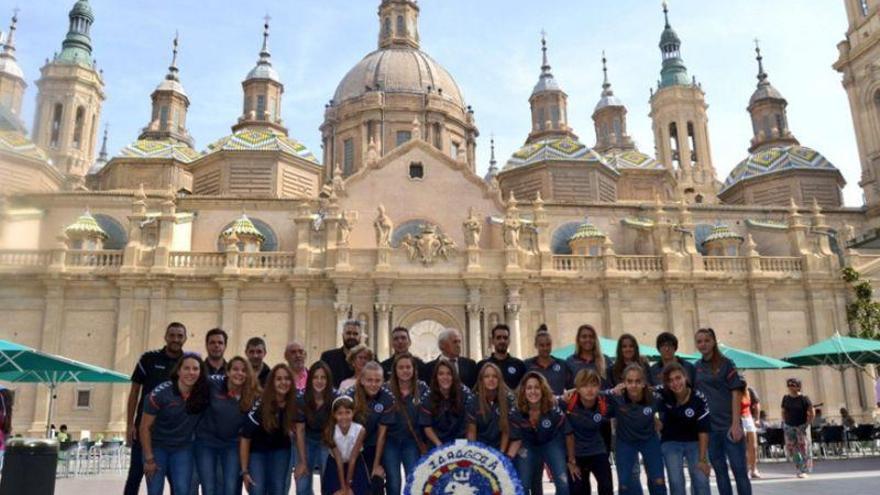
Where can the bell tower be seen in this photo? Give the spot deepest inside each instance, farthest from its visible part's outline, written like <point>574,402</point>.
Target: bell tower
<point>681,132</point>
<point>170,104</point>
<point>549,104</point>
<point>262,93</point>
<point>69,99</point>
<point>857,63</point>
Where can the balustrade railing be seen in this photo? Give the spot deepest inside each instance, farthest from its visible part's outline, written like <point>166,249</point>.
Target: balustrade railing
<point>640,263</point>
<point>569,263</point>
<point>189,259</point>
<point>725,264</point>
<point>267,261</point>
<point>25,257</point>
<point>94,259</point>
<point>784,264</point>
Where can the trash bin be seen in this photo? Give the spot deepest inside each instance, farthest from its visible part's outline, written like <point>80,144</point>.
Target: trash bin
<point>29,467</point>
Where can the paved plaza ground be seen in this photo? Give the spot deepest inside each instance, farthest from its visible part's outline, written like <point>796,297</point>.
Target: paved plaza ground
<point>859,476</point>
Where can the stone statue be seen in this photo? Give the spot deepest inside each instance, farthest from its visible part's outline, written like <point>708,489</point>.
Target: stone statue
<point>409,243</point>
<point>473,227</point>
<point>346,222</point>
<point>530,236</point>
<point>512,226</point>
<point>384,226</point>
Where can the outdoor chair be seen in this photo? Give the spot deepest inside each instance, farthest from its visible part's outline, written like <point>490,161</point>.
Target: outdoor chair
<point>832,439</point>
<point>67,452</point>
<point>774,444</point>
<point>864,438</point>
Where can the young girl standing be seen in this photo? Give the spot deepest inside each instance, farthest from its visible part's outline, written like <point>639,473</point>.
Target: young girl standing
<point>264,447</point>
<point>444,411</point>
<point>374,410</point>
<point>405,442</point>
<point>543,428</point>
<point>346,471</point>
<point>635,411</point>
<point>491,415</point>
<point>685,435</point>
<point>314,403</point>
<point>588,414</point>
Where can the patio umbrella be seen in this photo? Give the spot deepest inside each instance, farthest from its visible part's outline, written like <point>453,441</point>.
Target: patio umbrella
<point>22,364</point>
<point>838,351</point>
<point>746,360</point>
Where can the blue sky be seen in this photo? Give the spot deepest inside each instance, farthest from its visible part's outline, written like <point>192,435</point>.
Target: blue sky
<point>491,47</point>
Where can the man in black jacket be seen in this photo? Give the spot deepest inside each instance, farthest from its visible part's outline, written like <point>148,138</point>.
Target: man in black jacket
<point>512,368</point>
<point>400,343</point>
<point>449,342</point>
<point>337,359</point>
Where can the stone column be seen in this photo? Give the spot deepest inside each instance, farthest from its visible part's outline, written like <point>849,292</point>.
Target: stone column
<point>760,326</point>
<point>613,320</point>
<point>166,235</point>
<point>229,311</point>
<point>475,333</point>
<point>50,337</point>
<point>512,311</point>
<point>300,309</point>
<point>303,222</point>
<point>342,306</point>
<point>123,357</point>
<point>676,309</point>
<point>383,330</point>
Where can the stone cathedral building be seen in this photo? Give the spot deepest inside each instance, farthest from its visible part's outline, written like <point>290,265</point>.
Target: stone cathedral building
<point>391,224</point>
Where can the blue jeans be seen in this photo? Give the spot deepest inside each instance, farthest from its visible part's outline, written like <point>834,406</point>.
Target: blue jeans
<point>218,468</point>
<point>177,464</point>
<point>317,457</point>
<point>531,458</point>
<point>627,456</point>
<point>269,472</point>
<point>398,454</point>
<point>674,454</point>
<point>722,451</point>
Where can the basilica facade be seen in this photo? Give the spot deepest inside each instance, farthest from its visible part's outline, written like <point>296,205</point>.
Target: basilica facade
<point>391,224</point>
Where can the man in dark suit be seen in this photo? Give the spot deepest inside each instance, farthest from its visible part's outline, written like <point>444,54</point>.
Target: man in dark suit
<point>337,359</point>
<point>449,342</point>
<point>400,342</point>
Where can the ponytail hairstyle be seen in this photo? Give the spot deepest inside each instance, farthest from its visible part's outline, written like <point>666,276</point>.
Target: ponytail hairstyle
<point>717,357</point>
<point>501,396</point>
<point>250,389</point>
<point>341,402</point>
<point>200,396</point>
<point>598,357</point>
<point>269,403</point>
<point>361,397</point>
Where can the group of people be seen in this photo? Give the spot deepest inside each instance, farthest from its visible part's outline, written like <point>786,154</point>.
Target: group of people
<point>363,424</point>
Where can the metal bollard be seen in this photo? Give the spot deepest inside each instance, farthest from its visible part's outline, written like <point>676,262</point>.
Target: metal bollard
<point>29,467</point>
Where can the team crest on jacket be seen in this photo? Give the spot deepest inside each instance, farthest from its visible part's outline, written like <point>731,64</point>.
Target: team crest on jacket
<point>464,468</point>
<point>378,408</point>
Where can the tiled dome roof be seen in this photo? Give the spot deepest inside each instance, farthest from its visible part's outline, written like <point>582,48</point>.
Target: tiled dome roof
<point>554,149</point>
<point>162,149</point>
<point>85,226</point>
<point>778,159</point>
<point>586,231</point>
<point>244,227</point>
<point>261,139</point>
<point>720,232</point>
<point>632,159</point>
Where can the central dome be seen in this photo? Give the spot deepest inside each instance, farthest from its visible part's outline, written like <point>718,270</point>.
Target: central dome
<point>398,70</point>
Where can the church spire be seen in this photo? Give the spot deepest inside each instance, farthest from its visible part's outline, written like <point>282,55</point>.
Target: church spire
<point>172,69</point>
<point>399,24</point>
<point>609,118</point>
<point>264,69</point>
<point>674,72</point>
<point>262,92</point>
<point>12,84</point>
<point>767,108</point>
<point>170,105</point>
<point>102,155</point>
<point>493,163</point>
<point>77,45</point>
<point>549,103</point>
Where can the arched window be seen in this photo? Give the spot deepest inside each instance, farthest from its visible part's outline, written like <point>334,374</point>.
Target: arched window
<point>560,237</point>
<point>438,136</point>
<point>401,26</point>
<point>618,129</point>
<point>692,141</point>
<point>117,237</point>
<point>863,6</point>
<point>78,124</point>
<point>261,107</point>
<point>410,227</point>
<point>554,116</point>
<point>780,124</point>
<point>673,145</point>
<point>767,131</point>
<point>163,117</point>
<point>387,27</point>
<point>877,102</point>
<point>539,115</point>
<point>55,135</point>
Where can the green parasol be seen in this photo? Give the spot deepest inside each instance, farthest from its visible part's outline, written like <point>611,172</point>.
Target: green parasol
<point>838,351</point>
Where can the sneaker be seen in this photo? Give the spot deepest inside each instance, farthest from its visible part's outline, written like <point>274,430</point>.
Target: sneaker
<point>802,475</point>
<point>756,475</point>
